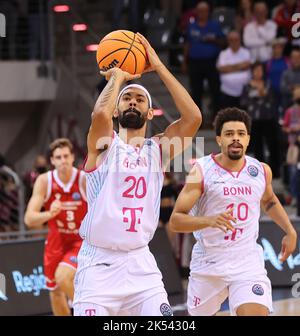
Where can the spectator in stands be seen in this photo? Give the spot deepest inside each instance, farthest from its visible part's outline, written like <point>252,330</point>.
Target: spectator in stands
<point>275,67</point>
<point>8,199</point>
<point>283,17</point>
<point>40,166</point>
<point>258,99</point>
<point>188,15</point>
<point>259,34</point>
<point>244,14</point>
<point>234,67</point>
<point>290,79</point>
<point>133,15</point>
<point>171,7</point>
<point>38,22</point>
<point>204,38</point>
<point>291,126</point>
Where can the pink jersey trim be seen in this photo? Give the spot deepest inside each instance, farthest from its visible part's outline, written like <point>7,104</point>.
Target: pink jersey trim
<point>202,181</point>
<point>265,173</point>
<point>238,174</point>
<point>156,139</point>
<point>228,171</point>
<point>87,170</point>
<point>161,159</point>
<point>102,159</point>
<point>81,176</point>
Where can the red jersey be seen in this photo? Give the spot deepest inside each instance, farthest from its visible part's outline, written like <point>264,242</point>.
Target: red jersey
<point>65,225</point>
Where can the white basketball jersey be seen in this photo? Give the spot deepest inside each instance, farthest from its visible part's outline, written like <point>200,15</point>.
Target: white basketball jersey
<point>124,197</point>
<point>223,189</point>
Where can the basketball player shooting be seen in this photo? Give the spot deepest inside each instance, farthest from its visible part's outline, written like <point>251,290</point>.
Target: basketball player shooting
<point>220,203</point>
<point>62,194</point>
<point>117,274</point>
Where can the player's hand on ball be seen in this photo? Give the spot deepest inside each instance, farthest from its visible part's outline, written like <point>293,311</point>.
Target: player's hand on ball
<point>55,208</point>
<point>125,76</point>
<point>223,221</point>
<point>154,61</point>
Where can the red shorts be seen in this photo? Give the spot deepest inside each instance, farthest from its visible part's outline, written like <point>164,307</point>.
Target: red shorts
<point>66,256</point>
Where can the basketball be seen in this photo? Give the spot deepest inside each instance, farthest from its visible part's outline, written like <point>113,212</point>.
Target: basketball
<point>121,49</point>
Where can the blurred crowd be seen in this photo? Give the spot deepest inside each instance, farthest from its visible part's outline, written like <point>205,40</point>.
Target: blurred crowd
<point>27,29</point>
<point>234,53</point>
<point>8,199</point>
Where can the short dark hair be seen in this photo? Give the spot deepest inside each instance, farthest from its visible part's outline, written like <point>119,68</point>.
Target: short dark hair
<point>60,143</point>
<point>231,114</point>
<point>258,64</point>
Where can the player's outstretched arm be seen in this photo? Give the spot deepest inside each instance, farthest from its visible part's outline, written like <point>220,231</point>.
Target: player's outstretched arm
<point>190,116</point>
<point>273,208</point>
<point>33,215</point>
<point>181,221</point>
<point>101,123</point>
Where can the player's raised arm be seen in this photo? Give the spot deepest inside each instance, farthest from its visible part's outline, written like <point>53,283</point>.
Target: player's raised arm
<point>275,211</point>
<point>33,215</point>
<point>182,221</point>
<point>190,116</point>
<point>101,123</point>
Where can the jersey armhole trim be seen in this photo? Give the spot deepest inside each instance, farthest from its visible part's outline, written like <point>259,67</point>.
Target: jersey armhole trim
<point>102,158</point>
<point>202,180</point>
<point>265,174</point>
<point>156,139</point>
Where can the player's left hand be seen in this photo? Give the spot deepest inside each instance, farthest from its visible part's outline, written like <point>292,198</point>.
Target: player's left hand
<point>154,61</point>
<point>288,245</point>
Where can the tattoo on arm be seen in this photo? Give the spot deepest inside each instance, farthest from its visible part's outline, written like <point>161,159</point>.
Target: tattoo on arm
<point>106,93</point>
<point>270,205</point>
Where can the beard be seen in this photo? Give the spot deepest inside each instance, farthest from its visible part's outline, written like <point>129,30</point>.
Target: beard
<point>235,156</point>
<point>131,118</point>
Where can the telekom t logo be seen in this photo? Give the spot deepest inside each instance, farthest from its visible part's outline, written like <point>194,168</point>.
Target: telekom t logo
<point>133,218</point>
<point>2,25</point>
<point>196,301</point>
<point>236,234</point>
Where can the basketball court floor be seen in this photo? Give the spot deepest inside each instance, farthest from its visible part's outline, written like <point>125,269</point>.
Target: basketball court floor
<point>284,304</point>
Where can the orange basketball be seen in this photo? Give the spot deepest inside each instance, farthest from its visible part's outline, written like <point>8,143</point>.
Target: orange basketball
<point>121,49</point>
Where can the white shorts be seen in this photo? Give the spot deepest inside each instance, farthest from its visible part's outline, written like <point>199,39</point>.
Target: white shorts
<point>240,276</point>
<point>156,305</point>
<point>115,283</point>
